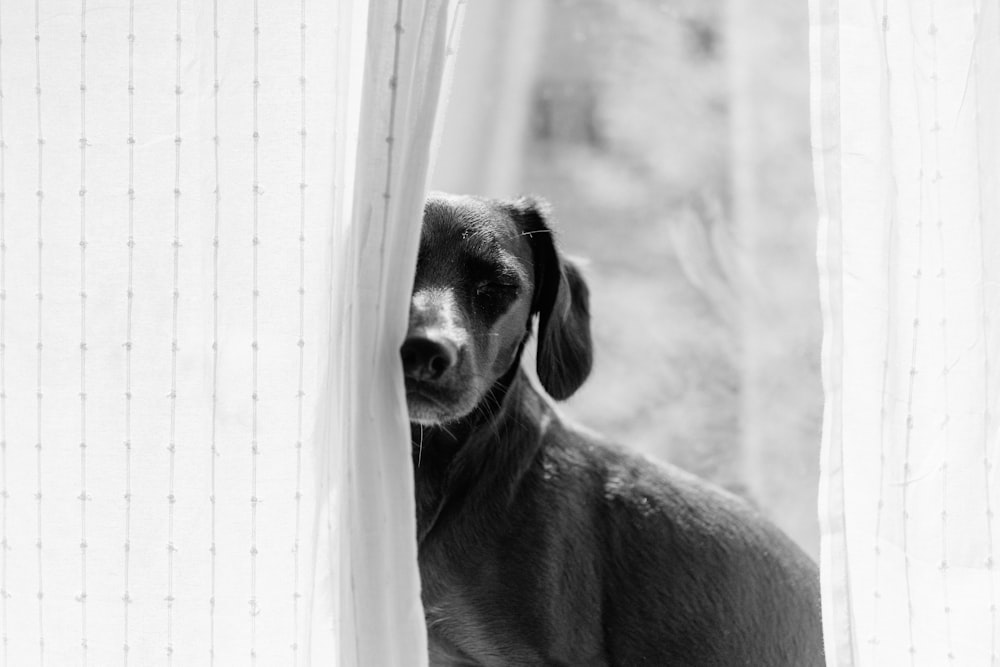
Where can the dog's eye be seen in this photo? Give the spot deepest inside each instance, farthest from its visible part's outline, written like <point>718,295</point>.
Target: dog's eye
<point>495,291</point>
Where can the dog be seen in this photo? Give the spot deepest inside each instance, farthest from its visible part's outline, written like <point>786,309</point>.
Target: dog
<point>539,543</point>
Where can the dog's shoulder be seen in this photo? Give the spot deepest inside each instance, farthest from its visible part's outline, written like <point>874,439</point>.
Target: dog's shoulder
<point>680,549</point>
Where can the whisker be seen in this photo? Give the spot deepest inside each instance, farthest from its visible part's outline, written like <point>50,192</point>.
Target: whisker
<point>420,445</point>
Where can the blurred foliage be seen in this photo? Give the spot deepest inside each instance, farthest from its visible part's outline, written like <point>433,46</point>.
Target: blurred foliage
<point>630,140</point>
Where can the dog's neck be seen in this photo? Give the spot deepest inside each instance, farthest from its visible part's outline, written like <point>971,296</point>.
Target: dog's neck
<point>480,458</point>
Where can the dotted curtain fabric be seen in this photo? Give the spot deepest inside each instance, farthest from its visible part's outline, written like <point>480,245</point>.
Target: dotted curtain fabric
<point>197,334</point>
<point>906,139</point>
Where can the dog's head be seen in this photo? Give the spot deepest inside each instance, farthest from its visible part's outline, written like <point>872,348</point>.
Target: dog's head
<point>485,268</point>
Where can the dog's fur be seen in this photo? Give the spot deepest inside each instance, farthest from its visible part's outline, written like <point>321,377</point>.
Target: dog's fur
<point>540,543</point>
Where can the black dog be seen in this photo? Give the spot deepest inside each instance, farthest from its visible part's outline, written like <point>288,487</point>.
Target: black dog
<point>539,543</point>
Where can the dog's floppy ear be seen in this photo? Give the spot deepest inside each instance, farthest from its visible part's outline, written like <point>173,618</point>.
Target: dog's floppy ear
<point>562,302</point>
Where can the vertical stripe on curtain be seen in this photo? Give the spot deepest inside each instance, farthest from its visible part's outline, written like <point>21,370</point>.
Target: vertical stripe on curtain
<point>906,102</point>
<point>208,216</point>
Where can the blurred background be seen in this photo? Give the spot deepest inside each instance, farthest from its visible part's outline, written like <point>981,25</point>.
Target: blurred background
<point>672,139</point>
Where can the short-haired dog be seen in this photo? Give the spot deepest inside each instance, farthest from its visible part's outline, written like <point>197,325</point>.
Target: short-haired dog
<point>540,543</point>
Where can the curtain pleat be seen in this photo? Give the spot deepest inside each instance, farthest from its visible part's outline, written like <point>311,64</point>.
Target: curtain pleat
<point>405,56</point>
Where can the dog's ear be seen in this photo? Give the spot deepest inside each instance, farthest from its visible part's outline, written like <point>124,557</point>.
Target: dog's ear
<point>562,302</point>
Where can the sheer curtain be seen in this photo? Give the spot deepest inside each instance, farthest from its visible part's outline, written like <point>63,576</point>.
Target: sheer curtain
<point>906,102</point>
<point>394,69</point>
<point>208,219</point>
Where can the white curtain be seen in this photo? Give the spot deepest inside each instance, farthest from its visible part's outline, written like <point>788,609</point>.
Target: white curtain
<point>208,219</point>
<point>393,70</point>
<point>906,122</point>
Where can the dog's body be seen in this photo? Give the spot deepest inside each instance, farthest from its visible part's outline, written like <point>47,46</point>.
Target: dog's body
<point>540,544</point>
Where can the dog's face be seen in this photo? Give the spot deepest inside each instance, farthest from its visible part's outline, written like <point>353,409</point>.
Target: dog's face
<point>484,268</point>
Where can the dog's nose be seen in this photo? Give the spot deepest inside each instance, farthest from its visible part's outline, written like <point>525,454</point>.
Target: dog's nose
<point>427,359</point>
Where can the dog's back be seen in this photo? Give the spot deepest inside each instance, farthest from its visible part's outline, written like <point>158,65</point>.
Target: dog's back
<point>690,574</point>
<point>596,556</point>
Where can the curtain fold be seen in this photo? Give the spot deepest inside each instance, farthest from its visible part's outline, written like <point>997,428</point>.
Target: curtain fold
<point>208,219</point>
<point>383,170</point>
<point>905,117</point>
